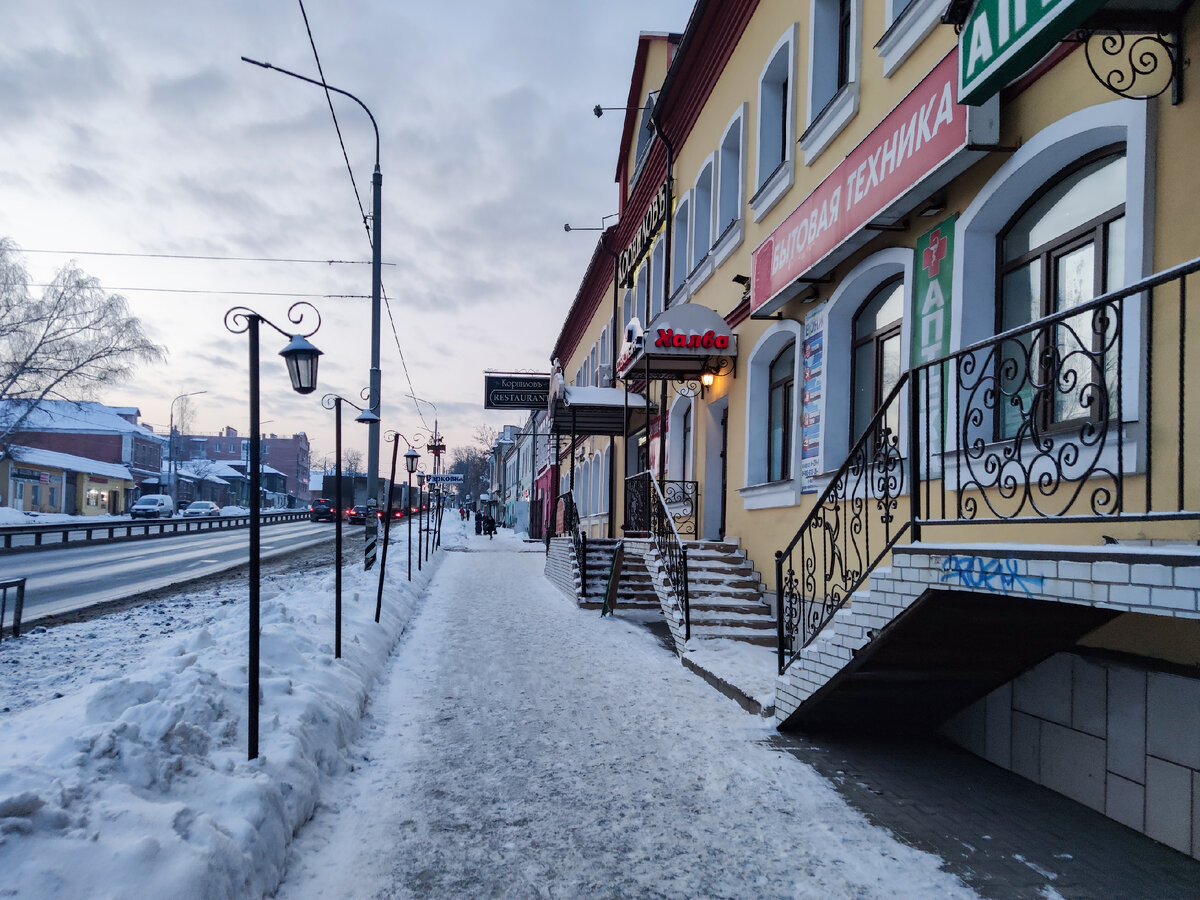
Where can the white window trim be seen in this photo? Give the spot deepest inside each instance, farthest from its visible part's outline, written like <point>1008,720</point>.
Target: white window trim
<point>771,185</point>
<point>676,271</point>
<point>676,464</point>
<point>706,163</point>
<point>845,302</point>
<point>826,122</point>
<point>758,493</point>
<point>739,121</point>
<point>728,243</point>
<point>906,32</point>
<point>1038,160</point>
<point>640,162</point>
<point>836,115</point>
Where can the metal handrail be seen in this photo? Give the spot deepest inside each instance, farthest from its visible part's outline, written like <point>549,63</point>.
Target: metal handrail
<point>18,584</point>
<point>1029,424</point>
<point>673,552</point>
<point>573,523</point>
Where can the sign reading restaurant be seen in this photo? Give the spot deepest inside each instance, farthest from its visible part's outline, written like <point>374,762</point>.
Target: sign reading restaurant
<point>628,259</point>
<point>516,391</point>
<point>1002,39</point>
<point>916,139</point>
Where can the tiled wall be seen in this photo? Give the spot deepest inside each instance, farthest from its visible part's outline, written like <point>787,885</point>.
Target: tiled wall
<point>1123,740</point>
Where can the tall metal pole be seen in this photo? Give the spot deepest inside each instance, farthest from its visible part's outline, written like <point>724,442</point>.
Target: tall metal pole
<point>408,515</point>
<point>373,427</point>
<point>337,525</point>
<point>255,509</point>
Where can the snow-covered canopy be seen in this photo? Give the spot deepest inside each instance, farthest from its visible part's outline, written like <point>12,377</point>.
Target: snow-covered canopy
<point>52,459</point>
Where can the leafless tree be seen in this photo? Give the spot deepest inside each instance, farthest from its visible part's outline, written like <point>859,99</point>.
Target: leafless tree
<point>185,415</point>
<point>65,345</point>
<point>352,461</point>
<point>485,436</point>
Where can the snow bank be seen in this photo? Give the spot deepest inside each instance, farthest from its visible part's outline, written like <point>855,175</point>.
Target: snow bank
<point>132,781</point>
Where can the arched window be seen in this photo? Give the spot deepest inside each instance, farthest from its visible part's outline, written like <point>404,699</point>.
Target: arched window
<point>876,355</point>
<point>1063,248</point>
<point>779,413</point>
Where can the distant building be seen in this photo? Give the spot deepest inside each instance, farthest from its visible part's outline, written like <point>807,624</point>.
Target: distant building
<point>45,481</point>
<point>95,432</point>
<point>286,455</point>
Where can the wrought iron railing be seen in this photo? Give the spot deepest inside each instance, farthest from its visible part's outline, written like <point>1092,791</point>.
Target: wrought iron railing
<point>681,502</point>
<point>573,525</point>
<point>646,511</point>
<point>1079,416</point>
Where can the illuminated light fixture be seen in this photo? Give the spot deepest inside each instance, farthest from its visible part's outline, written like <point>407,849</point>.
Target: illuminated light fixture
<point>707,379</point>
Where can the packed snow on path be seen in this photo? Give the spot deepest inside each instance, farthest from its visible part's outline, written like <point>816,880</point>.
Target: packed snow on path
<point>123,770</point>
<point>522,747</point>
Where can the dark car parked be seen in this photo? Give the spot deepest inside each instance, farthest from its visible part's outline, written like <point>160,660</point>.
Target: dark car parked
<point>322,511</point>
<point>358,515</point>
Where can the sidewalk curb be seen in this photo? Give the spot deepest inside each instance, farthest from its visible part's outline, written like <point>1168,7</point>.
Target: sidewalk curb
<point>734,693</point>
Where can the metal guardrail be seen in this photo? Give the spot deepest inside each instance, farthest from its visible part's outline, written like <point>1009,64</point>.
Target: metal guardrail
<point>76,533</point>
<point>17,585</point>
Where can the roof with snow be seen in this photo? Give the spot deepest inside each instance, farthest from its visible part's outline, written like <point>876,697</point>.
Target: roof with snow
<point>55,460</point>
<point>81,417</point>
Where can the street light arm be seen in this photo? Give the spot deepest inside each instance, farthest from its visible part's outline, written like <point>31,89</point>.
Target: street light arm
<point>237,320</point>
<point>328,87</point>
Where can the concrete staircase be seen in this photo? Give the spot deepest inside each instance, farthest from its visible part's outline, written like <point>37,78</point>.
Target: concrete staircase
<point>635,587</point>
<point>726,595</point>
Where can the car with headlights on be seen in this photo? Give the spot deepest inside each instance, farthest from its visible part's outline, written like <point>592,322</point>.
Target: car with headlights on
<point>200,508</point>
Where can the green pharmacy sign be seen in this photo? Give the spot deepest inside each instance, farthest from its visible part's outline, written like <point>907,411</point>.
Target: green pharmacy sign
<point>1002,39</point>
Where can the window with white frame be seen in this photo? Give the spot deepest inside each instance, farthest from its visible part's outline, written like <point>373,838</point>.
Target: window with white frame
<point>772,418</point>
<point>596,500</point>
<point>774,113</point>
<point>702,215</point>
<point>679,263</point>
<point>833,67</point>
<point>729,177</point>
<point>657,267</point>
<point>594,376</point>
<point>643,292</point>
<point>774,171</point>
<point>909,22</point>
<point>645,132</point>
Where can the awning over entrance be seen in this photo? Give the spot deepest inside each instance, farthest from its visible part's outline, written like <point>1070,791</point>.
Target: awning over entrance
<point>686,341</point>
<point>593,410</point>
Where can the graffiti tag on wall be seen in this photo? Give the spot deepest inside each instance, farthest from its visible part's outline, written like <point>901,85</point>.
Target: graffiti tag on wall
<point>990,573</point>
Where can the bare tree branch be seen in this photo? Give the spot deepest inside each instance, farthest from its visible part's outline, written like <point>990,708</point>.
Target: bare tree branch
<point>66,345</point>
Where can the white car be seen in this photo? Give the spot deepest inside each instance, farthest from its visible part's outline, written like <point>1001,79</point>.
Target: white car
<point>201,508</point>
<point>152,506</point>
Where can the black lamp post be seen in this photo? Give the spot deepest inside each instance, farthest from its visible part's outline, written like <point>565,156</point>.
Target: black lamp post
<point>301,358</point>
<point>421,524</point>
<point>410,462</point>
<point>365,416</point>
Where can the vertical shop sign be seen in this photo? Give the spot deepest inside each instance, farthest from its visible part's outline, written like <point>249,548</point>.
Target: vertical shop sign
<point>932,295</point>
<point>812,400</point>
<point>933,274</point>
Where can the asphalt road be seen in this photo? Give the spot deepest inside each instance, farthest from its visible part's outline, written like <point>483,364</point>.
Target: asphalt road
<point>73,578</point>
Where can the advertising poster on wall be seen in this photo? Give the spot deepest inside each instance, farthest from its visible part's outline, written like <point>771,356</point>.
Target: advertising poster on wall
<point>933,275</point>
<point>812,398</point>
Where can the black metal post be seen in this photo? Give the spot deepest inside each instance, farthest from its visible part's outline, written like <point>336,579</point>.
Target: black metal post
<point>337,562</point>
<point>408,515</point>
<point>387,529</point>
<point>255,511</point>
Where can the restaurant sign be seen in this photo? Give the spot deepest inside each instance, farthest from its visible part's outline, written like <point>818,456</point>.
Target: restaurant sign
<point>890,168</point>
<point>652,220</point>
<point>516,391</point>
<point>1002,39</point>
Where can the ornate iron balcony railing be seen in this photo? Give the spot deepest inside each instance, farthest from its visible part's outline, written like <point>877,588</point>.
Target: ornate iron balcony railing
<point>1081,416</point>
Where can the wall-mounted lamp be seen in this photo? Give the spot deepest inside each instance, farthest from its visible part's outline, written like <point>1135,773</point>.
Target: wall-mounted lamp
<point>568,227</point>
<point>707,379</point>
<point>932,206</point>
<point>743,280</point>
<point>599,110</point>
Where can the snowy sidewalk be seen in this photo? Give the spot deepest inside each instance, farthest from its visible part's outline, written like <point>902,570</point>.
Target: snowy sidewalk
<point>521,747</point>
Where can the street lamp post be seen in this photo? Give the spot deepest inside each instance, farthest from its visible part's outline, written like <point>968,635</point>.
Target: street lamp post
<point>301,358</point>
<point>171,465</point>
<point>410,462</point>
<point>334,402</point>
<point>420,517</point>
<point>376,257</point>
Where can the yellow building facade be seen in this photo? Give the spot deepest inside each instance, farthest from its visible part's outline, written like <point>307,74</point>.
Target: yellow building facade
<point>959,383</point>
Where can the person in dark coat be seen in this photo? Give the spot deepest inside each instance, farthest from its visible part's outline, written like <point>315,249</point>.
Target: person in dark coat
<point>478,523</point>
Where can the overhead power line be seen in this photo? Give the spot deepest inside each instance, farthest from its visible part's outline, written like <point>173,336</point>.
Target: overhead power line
<point>367,225</point>
<point>328,262</point>
<point>156,290</point>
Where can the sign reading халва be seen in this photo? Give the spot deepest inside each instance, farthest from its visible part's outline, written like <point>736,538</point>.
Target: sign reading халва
<point>1004,38</point>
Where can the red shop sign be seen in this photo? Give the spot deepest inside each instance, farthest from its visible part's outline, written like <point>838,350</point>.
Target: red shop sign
<point>916,138</point>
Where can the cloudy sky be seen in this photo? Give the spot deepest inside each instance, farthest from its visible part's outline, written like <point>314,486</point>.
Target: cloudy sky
<point>133,126</point>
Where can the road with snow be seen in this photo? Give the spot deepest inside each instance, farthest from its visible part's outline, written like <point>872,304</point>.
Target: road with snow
<point>522,747</point>
<point>75,577</point>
